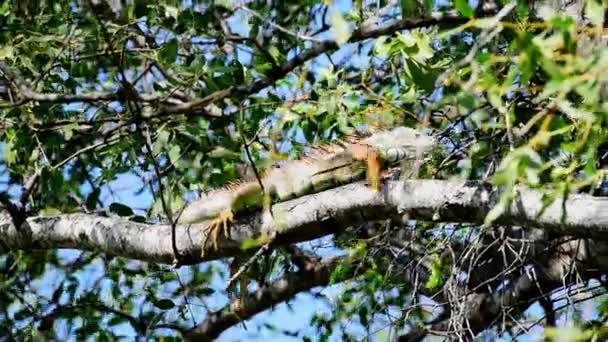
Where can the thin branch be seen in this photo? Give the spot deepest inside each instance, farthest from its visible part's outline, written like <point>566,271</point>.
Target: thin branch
<point>313,275</point>
<point>277,26</point>
<point>360,34</point>
<point>251,260</point>
<point>170,106</point>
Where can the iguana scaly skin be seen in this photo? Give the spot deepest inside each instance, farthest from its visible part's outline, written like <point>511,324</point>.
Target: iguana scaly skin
<point>323,168</point>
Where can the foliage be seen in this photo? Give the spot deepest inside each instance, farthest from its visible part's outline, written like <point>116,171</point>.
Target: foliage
<point>177,94</point>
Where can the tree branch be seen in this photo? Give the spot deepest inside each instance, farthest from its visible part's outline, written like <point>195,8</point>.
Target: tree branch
<point>484,309</point>
<point>312,275</point>
<point>311,217</point>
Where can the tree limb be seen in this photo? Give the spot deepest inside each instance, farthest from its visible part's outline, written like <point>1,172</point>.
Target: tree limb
<point>312,275</point>
<point>311,217</point>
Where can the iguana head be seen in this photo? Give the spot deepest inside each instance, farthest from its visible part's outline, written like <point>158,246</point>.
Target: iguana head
<point>401,143</point>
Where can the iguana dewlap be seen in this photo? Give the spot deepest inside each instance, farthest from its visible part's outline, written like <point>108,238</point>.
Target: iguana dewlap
<point>323,168</point>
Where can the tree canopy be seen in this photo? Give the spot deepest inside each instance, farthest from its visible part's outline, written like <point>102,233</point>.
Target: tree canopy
<point>115,114</point>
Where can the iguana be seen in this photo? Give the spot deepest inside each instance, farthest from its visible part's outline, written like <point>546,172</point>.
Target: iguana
<point>324,167</point>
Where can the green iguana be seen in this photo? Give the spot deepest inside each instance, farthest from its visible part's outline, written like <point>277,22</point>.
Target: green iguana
<point>324,167</point>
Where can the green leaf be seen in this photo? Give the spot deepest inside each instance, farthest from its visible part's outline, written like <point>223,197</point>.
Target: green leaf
<point>435,278</point>
<point>250,243</point>
<point>340,28</point>
<point>409,8</point>
<point>227,4</point>
<point>463,8</point>
<point>161,141</point>
<point>164,304</point>
<point>115,320</point>
<point>382,48</point>
<point>92,199</point>
<point>120,209</point>
<point>499,209</point>
<point>206,291</point>
<point>5,8</point>
<point>10,155</point>
<point>6,52</point>
<point>594,10</point>
<point>363,315</point>
<point>220,152</point>
<point>138,218</point>
<point>340,272</point>
<point>168,53</point>
<point>174,153</point>
<point>171,11</point>
<point>420,75</point>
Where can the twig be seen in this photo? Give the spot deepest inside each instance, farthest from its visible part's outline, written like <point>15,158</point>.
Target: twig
<point>251,260</point>
<point>51,64</point>
<point>277,26</point>
<point>88,148</point>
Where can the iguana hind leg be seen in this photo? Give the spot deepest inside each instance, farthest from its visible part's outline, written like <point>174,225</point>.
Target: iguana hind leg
<point>219,224</point>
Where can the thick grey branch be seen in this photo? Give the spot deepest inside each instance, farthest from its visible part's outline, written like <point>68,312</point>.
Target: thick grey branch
<point>310,217</point>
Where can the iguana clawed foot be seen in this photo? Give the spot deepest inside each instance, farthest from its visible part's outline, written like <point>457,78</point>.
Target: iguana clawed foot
<point>219,224</point>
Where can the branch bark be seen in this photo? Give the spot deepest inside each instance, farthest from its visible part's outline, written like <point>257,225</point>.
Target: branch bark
<point>311,217</point>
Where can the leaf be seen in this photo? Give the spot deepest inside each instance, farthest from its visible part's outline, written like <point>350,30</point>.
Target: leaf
<point>253,243</point>
<point>363,316</point>
<point>339,28</point>
<point>435,279</point>
<point>174,153</point>
<point>138,218</point>
<point>120,209</point>
<point>6,52</point>
<point>5,8</point>
<point>498,210</point>
<point>463,8</point>
<point>171,11</point>
<point>220,152</point>
<point>206,291</point>
<point>227,4</point>
<point>420,75</point>
<point>594,10</point>
<point>168,53</point>
<point>10,155</point>
<point>382,48</point>
<point>116,320</point>
<point>409,8</point>
<point>164,304</point>
<point>92,199</point>
<point>161,140</point>
<point>340,272</point>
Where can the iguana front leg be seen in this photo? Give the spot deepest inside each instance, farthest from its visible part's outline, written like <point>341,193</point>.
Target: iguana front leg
<point>371,158</point>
